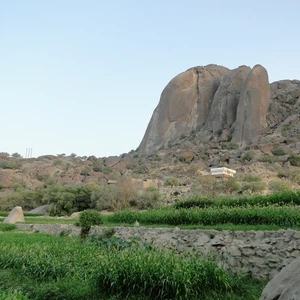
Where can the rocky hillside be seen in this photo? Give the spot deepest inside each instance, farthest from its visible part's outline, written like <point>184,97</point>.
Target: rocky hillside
<point>217,105</point>
<point>207,117</point>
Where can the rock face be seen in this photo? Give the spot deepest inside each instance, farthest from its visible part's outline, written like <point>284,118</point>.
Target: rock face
<point>285,285</point>
<point>223,110</point>
<point>184,105</point>
<point>213,101</point>
<point>16,215</point>
<point>253,106</point>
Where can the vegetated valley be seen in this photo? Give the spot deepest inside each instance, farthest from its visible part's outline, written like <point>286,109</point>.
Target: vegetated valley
<point>165,182</point>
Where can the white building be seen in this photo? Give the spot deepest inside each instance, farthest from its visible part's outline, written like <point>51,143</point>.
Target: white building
<point>222,172</point>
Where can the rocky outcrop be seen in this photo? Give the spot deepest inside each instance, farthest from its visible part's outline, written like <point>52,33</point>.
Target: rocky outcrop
<point>184,105</point>
<point>223,110</point>
<point>16,215</point>
<point>213,101</point>
<point>252,108</point>
<point>285,285</point>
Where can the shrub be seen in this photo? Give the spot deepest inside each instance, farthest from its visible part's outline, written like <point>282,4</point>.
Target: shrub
<point>6,164</point>
<point>249,155</point>
<point>268,158</point>
<point>148,199</point>
<point>208,187</point>
<point>278,151</point>
<point>295,176</point>
<point>276,186</point>
<point>85,171</point>
<point>172,181</point>
<point>87,219</point>
<point>57,162</point>
<point>106,170</point>
<point>231,185</point>
<point>229,145</point>
<point>251,178</point>
<point>252,184</point>
<point>294,160</point>
<point>115,197</point>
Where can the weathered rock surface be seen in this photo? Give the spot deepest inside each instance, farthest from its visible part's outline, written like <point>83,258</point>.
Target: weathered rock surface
<point>16,215</point>
<point>252,107</point>
<point>215,102</point>
<point>184,105</point>
<point>224,107</point>
<point>285,285</point>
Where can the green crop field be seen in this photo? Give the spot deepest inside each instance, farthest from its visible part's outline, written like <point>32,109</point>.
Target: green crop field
<point>37,266</point>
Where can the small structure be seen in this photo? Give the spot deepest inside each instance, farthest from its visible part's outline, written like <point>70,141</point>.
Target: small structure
<point>222,172</point>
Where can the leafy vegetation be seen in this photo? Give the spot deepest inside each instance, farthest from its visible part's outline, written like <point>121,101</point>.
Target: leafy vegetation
<point>249,215</point>
<point>48,267</point>
<point>283,198</point>
<point>87,219</point>
<point>172,181</point>
<point>278,151</point>
<point>294,160</point>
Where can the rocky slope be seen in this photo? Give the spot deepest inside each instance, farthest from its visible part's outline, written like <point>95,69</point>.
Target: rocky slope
<point>218,104</point>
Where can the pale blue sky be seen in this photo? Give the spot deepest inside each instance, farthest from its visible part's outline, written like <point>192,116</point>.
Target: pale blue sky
<point>85,76</point>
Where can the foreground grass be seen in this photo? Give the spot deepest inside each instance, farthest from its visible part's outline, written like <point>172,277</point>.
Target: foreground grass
<point>49,267</point>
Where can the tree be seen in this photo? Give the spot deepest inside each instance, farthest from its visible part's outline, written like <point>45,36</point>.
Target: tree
<point>208,187</point>
<point>172,181</point>
<point>16,155</point>
<point>115,197</point>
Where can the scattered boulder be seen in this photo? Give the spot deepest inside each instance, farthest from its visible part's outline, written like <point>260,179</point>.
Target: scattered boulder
<point>16,215</point>
<point>112,160</point>
<point>285,285</point>
<point>40,210</point>
<point>75,215</point>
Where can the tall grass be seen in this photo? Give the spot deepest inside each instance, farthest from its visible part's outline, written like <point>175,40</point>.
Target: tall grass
<point>61,268</point>
<point>249,215</point>
<point>282,198</point>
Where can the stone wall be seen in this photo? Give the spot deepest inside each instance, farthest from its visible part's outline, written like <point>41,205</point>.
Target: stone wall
<point>261,254</point>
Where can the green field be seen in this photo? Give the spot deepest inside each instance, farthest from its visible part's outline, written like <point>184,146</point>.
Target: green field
<point>47,267</point>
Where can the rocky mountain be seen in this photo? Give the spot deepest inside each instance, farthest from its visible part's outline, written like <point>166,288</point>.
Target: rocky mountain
<point>220,105</point>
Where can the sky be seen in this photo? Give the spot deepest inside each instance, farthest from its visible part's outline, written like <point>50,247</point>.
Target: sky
<point>84,76</point>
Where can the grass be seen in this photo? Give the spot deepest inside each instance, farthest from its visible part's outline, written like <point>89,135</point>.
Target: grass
<point>7,227</point>
<point>49,267</point>
<point>281,216</point>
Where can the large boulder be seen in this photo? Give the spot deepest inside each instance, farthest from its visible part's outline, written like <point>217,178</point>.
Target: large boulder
<point>285,285</point>
<point>16,215</point>
<point>252,108</point>
<point>184,105</point>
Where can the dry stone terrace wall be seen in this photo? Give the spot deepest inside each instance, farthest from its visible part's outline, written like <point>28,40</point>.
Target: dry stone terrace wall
<point>261,254</point>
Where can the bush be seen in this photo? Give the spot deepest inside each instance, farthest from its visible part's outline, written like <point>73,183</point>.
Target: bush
<point>231,186</point>
<point>172,181</point>
<point>208,187</point>
<point>294,160</point>
<point>85,171</point>
<point>249,155</point>
<point>229,145</point>
<point>87,219</point>
<point>295,176</point>
<point>252,184</point>
<point>6,164</point>
<point>115,197</point>
<point>268,158</point>
<point>276,186</point>
<point>148,199</point>
<point>278,152</point>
